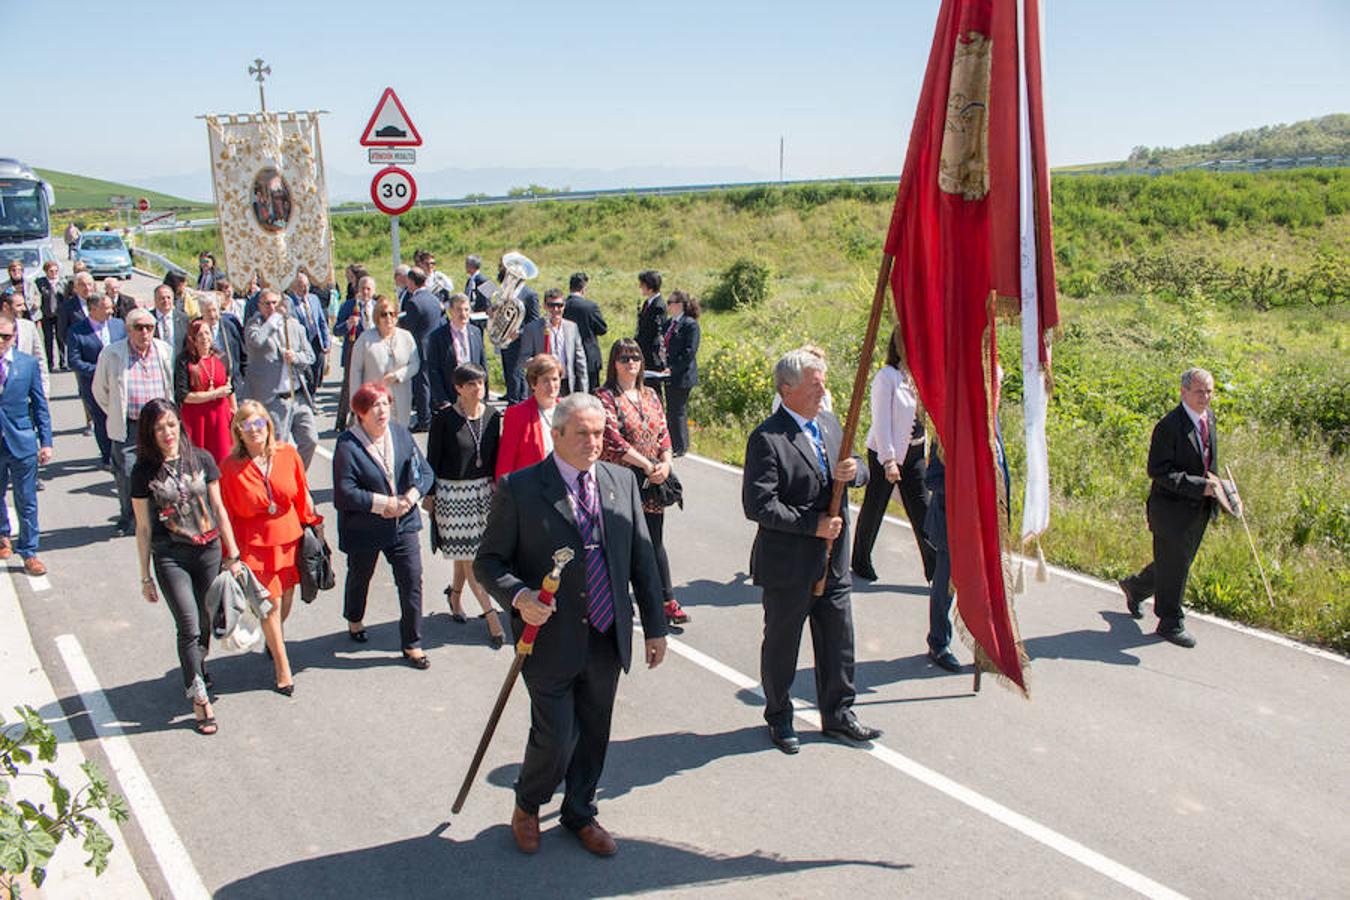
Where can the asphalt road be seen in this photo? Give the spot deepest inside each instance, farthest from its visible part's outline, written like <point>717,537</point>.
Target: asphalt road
<point>1137,768</point>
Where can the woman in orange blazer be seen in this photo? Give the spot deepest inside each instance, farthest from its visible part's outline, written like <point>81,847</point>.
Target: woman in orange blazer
<point>527,427</point>
<point>266,494</point>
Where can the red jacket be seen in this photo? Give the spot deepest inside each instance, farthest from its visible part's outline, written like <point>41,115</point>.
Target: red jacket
<point>522,442</point>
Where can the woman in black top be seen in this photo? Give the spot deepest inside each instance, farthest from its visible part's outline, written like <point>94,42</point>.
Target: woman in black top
<point>681,339</point>
<point>462,451</point>
<point>180,525</point>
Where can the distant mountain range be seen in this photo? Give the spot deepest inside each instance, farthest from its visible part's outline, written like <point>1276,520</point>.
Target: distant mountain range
<point>455,183</point>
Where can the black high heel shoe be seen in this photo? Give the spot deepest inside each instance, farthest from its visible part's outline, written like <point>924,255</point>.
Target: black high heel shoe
<point>457,617</point>
<point>286,691</point>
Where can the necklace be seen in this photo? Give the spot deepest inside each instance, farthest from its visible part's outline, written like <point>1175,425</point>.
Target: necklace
<point>179,483</point>
<point>267,484</point>
<point>475,431</point>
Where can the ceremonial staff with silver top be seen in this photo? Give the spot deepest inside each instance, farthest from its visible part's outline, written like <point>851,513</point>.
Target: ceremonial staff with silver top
<point>572,500</point>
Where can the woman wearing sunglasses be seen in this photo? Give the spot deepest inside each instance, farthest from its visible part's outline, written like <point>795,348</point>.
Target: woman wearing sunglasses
<point>267,496</point>
<point>388,355</point>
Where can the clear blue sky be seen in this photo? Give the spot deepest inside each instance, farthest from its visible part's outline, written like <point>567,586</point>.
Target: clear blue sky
<point>110,89</point>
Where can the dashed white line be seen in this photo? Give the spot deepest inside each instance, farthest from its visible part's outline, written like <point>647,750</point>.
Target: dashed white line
<point>1089,581</point>
<point>1048,837</point>
<point>174,862</point>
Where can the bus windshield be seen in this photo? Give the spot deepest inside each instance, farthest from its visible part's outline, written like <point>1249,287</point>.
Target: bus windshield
<point>23,210</point>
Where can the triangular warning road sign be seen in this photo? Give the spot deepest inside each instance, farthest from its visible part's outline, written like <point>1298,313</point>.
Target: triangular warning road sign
<point>389,125</point>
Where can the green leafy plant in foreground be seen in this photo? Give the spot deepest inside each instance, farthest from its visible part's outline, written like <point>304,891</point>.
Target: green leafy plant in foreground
<point>30,832</point>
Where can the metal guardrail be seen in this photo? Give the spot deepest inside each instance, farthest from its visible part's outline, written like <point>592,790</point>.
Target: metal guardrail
<point>1222,165</point>
<point>163,262</point>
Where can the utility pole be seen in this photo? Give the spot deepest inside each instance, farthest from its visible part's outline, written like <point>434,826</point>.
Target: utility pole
<point>260,71</point>
<point>780,159</point>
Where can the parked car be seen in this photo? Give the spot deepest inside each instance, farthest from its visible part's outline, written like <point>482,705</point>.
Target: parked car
<point>34,258</point>
<point>105,254</point>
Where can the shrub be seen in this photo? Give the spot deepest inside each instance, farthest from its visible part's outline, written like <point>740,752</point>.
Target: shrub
<point>743,283</point>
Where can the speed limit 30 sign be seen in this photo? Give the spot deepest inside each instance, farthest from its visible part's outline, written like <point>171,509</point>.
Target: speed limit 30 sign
<point>393,191</point>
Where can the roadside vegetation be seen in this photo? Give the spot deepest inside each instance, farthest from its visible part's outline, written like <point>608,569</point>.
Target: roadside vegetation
<point>1245,274</point>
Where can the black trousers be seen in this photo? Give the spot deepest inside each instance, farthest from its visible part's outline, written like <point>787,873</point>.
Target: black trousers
<point>677,418</point>
<point>831,616</point>
<point>184,573</point>
<point>913,496</point>
<point>513,373</point>
<point>569,733</point>
<point>656,523</point>
<point>54,344</point>
<point>1176,540</point>
<point>405,557</point>
<point>421,398</point>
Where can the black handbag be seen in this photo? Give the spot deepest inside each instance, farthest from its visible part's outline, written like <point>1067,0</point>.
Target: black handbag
<point>668,493</point>
<point>315,563</point>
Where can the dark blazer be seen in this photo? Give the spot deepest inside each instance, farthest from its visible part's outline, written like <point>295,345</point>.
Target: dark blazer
<point>345,312</point>
<point>783,491</point>
<point>356,477</point>
<point>180,327</point>
<point>591,326</point>
<point>441,362</point>
<point>49,294</point>
<point>479,297</point>
<point>651,323</point>
<point>232,335</point>
<point>531,517</point>
<point>309,310</point>
<point>1177,468</point>
<point>69,314</point>
<point>530,300</point>
<point>682,353</point>
<point>421,315</point>
<point>83,348</point>
<point>25,422</point>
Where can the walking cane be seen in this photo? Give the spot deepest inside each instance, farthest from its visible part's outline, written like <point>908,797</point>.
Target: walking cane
<point>1235,501</point>
<point>524,647</point>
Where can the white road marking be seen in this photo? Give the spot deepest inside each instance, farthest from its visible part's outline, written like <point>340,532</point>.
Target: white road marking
<point>1110,588</point>
<point>174,862</point>
<point>39,583</point>
<point>1048,837</point>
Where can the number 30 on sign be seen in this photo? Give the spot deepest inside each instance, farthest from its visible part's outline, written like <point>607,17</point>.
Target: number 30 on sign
<point>393,191</point>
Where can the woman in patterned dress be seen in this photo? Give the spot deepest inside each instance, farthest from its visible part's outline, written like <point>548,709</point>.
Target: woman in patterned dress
<point>636,436</point>
<point>462,451</point>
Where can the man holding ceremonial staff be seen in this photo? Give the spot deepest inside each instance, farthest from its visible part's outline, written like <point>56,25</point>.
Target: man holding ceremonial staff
<point>570,499</point>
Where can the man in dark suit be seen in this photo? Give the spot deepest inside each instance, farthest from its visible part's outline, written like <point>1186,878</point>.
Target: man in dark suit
<point>572,500</point>
<point>451,345</point>
<point>421,316</point>
<point>590,322</point>
<point>83,346</point>
<point>651,325</point>
<point>353,317</point>
<point>49,301</point>
<point>25,443</point>
<point>76,305</point>
<point>171,324</point>
<point>1183,462</point>
<point>513,364</point>
<point>681,341</point>
<point>308,310</point>
<point>478,288</point>
<point>791,463</point>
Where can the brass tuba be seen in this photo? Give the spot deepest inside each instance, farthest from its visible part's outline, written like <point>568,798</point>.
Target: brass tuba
<point>506,315</point>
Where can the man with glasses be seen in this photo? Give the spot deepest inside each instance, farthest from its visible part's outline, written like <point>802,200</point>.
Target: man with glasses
<point>129,374</point>
<point>560,339</point>
<point>27,337</point>
<point>25,443</point>
<point>279,354</point>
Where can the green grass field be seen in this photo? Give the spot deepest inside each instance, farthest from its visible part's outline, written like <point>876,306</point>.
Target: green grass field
<point>1157,274</point>
<point>76,192</point>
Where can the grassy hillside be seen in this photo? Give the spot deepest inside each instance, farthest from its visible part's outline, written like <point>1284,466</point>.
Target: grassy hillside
<point>1244,274</point>
<point>1327,136</point>
<point>76,192</point>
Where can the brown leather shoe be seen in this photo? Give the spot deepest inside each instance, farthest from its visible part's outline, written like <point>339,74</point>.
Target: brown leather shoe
<point>6,551</point>
<point>597,840</point>
<point>33,566</point>
<point>525,829</point>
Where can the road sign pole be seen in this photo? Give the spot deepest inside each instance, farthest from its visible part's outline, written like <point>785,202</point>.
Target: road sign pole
<point>393,239</point>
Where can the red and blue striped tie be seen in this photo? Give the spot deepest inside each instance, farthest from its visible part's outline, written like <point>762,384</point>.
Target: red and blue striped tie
<point>599,597</point>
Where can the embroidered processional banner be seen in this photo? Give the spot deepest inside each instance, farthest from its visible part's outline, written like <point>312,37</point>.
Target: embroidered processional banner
<point>271,200</point>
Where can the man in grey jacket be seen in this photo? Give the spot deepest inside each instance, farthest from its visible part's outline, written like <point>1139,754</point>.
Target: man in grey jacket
<point>560,338</point>
<point>278,351</point>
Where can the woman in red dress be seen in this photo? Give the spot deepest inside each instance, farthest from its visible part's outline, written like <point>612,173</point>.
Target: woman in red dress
<point>202,390</point>
<point>527,427</point>
<point>267,496</point>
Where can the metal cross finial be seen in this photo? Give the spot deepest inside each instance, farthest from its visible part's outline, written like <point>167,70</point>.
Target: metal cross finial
<point>260,71</point>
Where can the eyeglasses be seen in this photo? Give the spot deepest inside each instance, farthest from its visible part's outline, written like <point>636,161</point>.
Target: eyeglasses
<point>254,425</point>
<point>144,326</point>
<point>388,314</point>
<point>630,358</point>
<point>555,305</point>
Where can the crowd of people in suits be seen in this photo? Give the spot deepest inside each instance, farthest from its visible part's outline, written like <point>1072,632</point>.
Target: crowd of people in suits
<point>203,407</point>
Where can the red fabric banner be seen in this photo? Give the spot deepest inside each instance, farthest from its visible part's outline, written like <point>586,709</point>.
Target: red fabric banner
<point>955,238</point>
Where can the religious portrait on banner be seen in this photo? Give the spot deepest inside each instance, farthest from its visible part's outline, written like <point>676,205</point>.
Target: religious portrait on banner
<point>271,199</point>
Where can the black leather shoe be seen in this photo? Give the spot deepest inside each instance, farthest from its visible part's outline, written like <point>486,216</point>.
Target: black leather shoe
<point>852,731</point>
<point>359,636</point>
<point>1181,638</point>
<point>866,574</point>
<point>785,739</point>
<point>1131,601</point>
<point>945,660</point>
